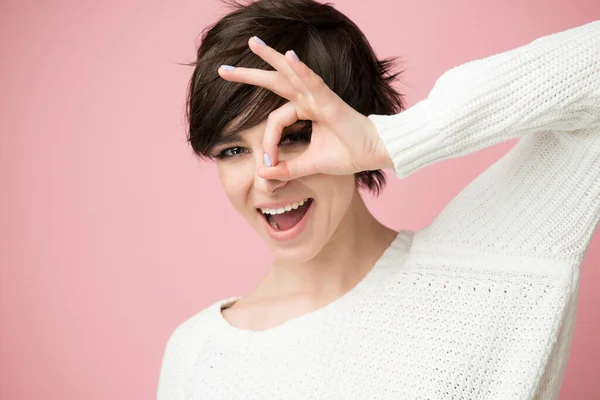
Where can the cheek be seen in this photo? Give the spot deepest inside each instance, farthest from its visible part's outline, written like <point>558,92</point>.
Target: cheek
<point>333,191</point>
<point>236,181</point>
<point>344,188</point>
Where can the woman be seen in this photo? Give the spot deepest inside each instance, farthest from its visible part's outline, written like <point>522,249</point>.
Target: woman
<point>479,304</point>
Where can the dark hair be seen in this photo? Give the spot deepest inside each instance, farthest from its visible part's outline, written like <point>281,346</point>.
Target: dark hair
<point>324,38</point>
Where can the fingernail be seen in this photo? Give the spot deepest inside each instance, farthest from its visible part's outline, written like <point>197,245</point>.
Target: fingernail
<point>267,160</point>
<point>227,67</point>
<point>295,55</point>
<point>258,40</point>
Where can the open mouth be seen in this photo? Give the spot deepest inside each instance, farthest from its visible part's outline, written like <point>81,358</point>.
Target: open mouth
<point>289,218</point>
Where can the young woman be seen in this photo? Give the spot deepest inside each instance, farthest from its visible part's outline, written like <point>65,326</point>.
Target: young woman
<point>479,304</point>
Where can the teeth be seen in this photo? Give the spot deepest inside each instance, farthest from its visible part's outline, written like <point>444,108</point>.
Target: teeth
<point>288,207</point>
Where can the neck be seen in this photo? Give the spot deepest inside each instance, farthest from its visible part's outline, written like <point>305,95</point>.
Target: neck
<point>348,256</point>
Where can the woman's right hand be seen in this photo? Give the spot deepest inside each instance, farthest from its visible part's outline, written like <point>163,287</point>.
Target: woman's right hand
<point>343,140</point>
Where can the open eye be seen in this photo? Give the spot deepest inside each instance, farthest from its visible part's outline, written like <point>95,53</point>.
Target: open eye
<point>293,138</point>
<point>301,136</point>
<point>229,152</point>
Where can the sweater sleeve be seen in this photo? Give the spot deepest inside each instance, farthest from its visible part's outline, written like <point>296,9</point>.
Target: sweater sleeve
<point>179,356</point>
<point>171,375</point>
<point>543,196</point>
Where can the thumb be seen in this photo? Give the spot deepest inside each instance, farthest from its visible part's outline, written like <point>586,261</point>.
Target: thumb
<point>287,170</point>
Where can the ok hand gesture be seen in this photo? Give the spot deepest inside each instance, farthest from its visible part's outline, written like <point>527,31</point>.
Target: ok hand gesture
<point>343,141</point>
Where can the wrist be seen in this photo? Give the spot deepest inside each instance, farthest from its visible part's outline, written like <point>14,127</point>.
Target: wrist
<point>385,158</point>
<point>382,156</point>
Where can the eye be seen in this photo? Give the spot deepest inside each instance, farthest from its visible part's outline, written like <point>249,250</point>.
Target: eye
<point>229,152</point>
<point>302,136</point>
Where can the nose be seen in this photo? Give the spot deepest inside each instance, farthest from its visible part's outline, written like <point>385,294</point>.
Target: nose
<point>268,186</point>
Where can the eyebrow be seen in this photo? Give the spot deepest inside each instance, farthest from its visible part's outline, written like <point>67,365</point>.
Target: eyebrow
<point>228,139</point>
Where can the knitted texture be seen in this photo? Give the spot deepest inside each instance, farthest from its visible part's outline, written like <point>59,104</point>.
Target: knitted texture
<point>479,304</point>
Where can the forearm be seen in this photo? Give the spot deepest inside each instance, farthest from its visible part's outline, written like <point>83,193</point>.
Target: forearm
<point>552,83</point>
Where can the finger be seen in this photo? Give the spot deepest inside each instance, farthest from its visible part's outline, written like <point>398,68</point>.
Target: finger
<point>289,169</point>
<point>282,117</point>
<point>277,61</point>
<point>310,79</point>
<point>322,97</point>
<point>271,80</point>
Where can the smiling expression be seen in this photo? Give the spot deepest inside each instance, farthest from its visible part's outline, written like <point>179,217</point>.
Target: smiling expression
<point>328,197</point>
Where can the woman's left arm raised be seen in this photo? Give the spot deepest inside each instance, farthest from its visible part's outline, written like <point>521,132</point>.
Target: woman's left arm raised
<point>543,197</point>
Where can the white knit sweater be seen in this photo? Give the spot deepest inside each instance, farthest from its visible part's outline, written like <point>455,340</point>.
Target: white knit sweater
<point>479,304</point>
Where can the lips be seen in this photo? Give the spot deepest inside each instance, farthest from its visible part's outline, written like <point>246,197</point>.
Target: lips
<point>289,224</point>
<point>288,219</point>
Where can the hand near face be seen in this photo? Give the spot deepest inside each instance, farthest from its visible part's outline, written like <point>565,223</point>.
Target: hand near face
<point>343,141</point>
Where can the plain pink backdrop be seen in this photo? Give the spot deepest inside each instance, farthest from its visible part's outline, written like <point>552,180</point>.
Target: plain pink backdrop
<point>112,233</point>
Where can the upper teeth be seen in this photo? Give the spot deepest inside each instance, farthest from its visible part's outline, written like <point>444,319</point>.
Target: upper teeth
<point>283,209</point>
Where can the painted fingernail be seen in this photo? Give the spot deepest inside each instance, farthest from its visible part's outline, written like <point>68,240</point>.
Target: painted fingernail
<point>267,160</point>
<point>227,67</point>
<point>258,40</point>
<point>295,55</point>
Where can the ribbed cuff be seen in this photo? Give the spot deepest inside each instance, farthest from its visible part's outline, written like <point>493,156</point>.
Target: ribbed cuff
<point>410,138</point>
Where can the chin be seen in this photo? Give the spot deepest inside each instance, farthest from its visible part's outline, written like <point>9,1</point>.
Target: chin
<point>299,253</point>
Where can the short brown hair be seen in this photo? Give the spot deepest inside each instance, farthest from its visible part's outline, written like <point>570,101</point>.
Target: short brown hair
<point>324,39</point>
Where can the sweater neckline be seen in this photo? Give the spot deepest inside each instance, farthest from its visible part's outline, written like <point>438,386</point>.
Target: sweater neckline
<point>304,321</point>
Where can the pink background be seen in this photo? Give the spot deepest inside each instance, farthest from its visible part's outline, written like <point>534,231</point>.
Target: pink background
<point>112,233</point>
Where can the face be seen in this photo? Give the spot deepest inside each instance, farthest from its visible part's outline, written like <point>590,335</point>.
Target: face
<point>303,229</point>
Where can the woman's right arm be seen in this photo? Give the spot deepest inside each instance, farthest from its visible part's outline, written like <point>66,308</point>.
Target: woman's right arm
<point>170,382</point>
<point>181,350</point>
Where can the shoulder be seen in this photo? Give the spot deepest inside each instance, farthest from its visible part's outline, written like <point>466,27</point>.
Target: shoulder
<point>191,333</point>
<point>401,244</point>
<point>195,326</point>
<point>181,349</point>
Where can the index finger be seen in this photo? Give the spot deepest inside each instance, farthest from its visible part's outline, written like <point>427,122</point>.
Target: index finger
<point>282,117</point>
